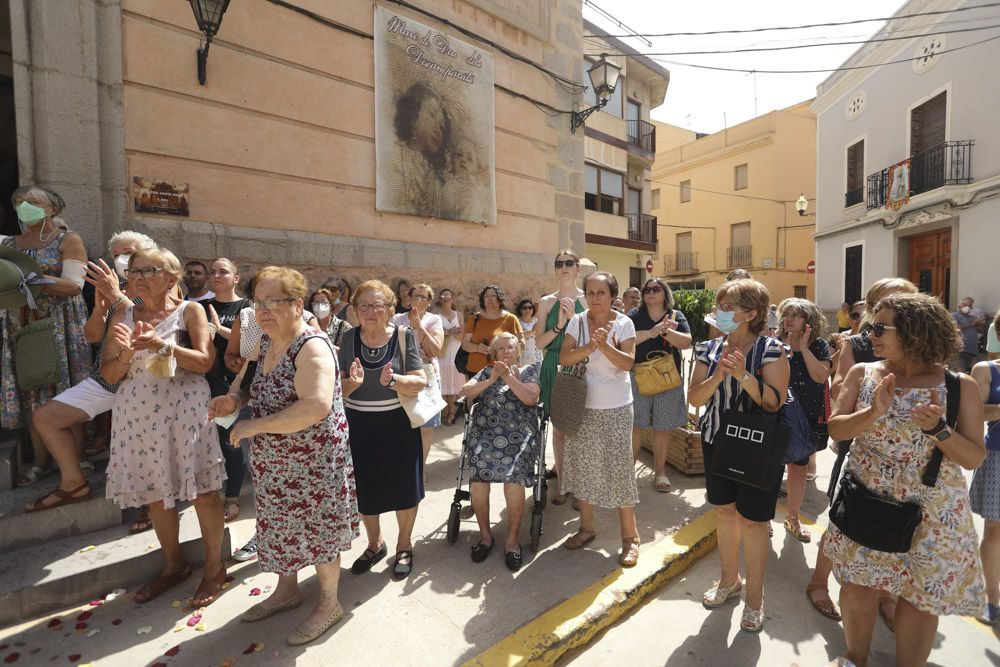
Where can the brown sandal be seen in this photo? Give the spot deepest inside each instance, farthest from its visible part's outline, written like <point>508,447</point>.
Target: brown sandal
<point>63,498</point>
<point>209,589</point>
<point>578,541</point>
<point>158,586</point>
<point>822,603</point>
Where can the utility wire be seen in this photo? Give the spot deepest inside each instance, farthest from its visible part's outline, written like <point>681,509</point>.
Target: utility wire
<point>823,70</point>
<point>727,194</point>
<point>807,25</point>
<point>805,46</point>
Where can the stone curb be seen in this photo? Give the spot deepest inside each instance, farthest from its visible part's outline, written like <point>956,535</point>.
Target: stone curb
<point>575,621</point>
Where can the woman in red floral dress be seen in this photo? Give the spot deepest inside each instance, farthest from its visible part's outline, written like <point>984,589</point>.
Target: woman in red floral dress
<point>301,462</point>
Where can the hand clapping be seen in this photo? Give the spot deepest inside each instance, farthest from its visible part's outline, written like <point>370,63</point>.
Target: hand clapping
<point>386,375</point>
<point>733,362</point>
<point>599,338</point>
<point>883,395</point>
<point>356,373</point>
<point>928,415</point>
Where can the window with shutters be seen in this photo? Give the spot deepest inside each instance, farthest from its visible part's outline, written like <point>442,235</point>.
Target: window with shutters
<point>685,191</point>
<point>855,192</point>
<point>740,177</point>
<point>740,251</point>
<point>604,190</point>
<point>853,256</point>
<point>799,291</point>
<point>927,124</point>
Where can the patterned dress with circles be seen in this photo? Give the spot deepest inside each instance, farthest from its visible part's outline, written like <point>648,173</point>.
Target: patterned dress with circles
<point>503,438</point>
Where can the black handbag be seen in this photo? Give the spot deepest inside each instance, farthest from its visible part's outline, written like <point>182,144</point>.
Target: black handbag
<point>886,524</point>
<point>750,445</point>
<point>462,355</point>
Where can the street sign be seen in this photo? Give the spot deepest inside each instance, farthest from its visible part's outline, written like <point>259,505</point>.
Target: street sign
<point>811,266</point>
<point>649,266</point>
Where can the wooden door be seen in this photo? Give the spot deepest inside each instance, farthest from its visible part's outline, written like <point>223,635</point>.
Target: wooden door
<point>930,263</point>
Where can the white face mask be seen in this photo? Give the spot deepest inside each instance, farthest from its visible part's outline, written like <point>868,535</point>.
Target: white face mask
<point>321,309</point>
<point>966,309</point>
<point>121,263</point>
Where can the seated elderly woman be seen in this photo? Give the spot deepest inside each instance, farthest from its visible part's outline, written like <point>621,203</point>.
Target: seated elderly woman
<point>301,463</point>
<point>894,409</point>
<point>508,452</point>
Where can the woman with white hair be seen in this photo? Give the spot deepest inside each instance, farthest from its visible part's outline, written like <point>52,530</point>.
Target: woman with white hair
<point>62,257</point>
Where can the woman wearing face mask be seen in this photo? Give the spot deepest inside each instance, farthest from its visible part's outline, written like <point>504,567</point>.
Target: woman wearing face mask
<point>63,260</point>
<point>726,368</point>
<point>223,311</point>
<point>60,421</point>
<point>452,381</point>
<point>321,304</point>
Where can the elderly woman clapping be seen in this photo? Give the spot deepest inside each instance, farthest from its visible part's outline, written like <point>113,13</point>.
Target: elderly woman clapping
<point>379,362</point>
<point>508,452</point>
<point>301,464</point>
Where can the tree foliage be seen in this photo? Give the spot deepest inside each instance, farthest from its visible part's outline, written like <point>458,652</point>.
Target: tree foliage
<point>695,304</point>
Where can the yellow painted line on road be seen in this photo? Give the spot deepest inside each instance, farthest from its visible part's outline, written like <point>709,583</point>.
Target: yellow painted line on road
<point>575,621</point>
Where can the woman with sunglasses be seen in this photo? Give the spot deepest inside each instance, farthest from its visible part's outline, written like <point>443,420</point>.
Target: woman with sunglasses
<point>453,322</point>
<point>659,330</point>
<point>855,349</point>
<point>555,310</point>
<point>726,368</point>
<point>894,409</point>
<point>163,450</point>
<point>429,332</point>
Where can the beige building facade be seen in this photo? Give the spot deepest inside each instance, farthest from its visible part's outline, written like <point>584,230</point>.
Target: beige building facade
<point>727,200</point>
<point>277,150</point>
<point>619,149</point>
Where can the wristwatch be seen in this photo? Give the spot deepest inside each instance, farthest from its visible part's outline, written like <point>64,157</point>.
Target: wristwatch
<point>392,381</point>
<point>941,431</point>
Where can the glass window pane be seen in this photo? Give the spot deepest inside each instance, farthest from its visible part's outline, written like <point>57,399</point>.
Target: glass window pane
<point>590,178</point>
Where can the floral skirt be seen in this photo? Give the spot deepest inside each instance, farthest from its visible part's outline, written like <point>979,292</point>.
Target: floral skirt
<point>597,465</point>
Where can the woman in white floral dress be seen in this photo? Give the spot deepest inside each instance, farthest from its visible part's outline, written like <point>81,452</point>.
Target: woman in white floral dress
<point>163,449</point>
<point>894,410</point>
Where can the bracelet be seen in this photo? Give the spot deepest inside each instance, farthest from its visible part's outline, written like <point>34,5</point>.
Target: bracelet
<point>118,357</point>
<point>239,400</point>
<point>167,350</point>
<point>556,330</point>
<point>121,299</point>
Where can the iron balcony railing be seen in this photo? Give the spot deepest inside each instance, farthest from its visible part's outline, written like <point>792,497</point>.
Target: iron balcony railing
<point>740,255</point>
<point>948,163</point>
<point>682,262</point>
<point>642,135</point>
<point>641,227</point>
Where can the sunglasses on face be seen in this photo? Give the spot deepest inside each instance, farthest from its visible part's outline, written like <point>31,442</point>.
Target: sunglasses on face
<point>569,263</point>
<point>652,290</point>
<point>878,329</point>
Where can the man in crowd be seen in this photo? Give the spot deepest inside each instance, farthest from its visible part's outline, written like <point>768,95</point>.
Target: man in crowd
<point>969,321</point>
<point>196,281</point>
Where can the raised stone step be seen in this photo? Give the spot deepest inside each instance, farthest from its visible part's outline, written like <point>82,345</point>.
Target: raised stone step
<point>57,574</point>
<point>19,529</point>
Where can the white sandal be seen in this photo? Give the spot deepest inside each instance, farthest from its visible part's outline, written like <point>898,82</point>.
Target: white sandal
<point>32,475</point>
<point>662,483</point>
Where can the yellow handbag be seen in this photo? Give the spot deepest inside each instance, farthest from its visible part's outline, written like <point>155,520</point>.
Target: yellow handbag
<point>658,374</point>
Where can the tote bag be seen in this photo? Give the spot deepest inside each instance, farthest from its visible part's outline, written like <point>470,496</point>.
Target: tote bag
<point>36,358</point>
<point>569,395</point>
<point>422,407</point>
<point>750,445</point>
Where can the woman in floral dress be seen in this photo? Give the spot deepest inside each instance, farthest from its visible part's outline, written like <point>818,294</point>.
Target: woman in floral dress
<point>894,410</point>
<point>55,248</point>
<point>503,440</point>
<point>300,458</point>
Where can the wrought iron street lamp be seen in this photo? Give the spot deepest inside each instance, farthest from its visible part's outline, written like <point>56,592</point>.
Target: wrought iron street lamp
<point>603,79</point>
<point>208,15</point>
<point>801,204</point>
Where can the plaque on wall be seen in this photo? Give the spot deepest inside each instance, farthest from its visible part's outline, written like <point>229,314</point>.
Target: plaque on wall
<point>153,196</point>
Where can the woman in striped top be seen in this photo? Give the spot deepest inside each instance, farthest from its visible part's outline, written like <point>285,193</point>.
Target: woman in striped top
<point>726,367</point>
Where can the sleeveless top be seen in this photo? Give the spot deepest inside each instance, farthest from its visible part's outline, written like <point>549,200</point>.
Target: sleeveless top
<point>550,362</point>
<point>993,427</point>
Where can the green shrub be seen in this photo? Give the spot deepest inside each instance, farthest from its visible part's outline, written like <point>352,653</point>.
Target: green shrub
<point>695,304</point>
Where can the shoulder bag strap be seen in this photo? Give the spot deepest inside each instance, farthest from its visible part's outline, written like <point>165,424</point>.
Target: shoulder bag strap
<point>953,388</point>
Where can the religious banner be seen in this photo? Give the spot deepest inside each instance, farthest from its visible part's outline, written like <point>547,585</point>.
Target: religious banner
<point>434,124</point>
<point>897,189</point>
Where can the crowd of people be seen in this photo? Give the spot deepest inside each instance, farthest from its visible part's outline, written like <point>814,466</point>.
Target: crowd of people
<point>313,392</point>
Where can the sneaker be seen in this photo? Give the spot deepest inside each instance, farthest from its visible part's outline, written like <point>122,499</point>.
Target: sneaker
<point>717,595</point>
<point>247,552</point>
<point>991,615</point>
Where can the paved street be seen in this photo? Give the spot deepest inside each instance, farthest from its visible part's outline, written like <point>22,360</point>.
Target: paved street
<point>451,610</point>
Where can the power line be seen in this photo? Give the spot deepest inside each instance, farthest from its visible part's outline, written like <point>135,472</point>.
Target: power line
<point>727,194</point>
<point>823,70</point>
<point>900,17</point>
<point>805,46</point>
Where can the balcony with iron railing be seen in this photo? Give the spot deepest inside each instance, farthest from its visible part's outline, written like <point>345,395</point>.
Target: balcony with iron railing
<point>740,255</point>
<point>642,135</point>
<point>681,263</point>
<point>641,227</point>
<point>948,163</point>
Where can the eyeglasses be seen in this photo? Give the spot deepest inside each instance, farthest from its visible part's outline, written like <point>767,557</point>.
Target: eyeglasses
<point>145,272</point>
<point>730,308</point>
<point>652,290</point>
<point>271,302</point>
<point>568,263</point>
<point>420,297</point>
<point>371,307</point>
<point>878,329</point>
<point>855,316</point>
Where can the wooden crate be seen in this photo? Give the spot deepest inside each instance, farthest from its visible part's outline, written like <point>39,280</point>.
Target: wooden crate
<point>684,451</point>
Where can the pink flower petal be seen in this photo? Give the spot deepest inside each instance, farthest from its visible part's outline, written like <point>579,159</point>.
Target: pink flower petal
<point>194,620</point>
<point>84,615</point>
<point>254,591</point>
<point>174,651</point>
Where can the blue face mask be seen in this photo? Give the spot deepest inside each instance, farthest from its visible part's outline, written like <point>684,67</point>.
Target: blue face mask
<point>725,323</point>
